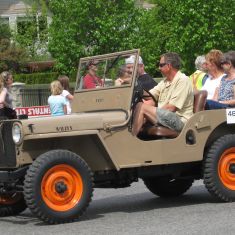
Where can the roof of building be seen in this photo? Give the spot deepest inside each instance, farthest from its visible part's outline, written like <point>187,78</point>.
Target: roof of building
<point>9,7</point>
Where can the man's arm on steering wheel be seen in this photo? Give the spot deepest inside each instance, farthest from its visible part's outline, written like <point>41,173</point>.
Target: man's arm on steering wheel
<point>149,99</point>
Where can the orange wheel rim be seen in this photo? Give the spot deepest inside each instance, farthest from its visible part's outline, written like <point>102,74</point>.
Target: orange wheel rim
<point>10,199</point>
<point>227,161</point>
<point>61,187</point>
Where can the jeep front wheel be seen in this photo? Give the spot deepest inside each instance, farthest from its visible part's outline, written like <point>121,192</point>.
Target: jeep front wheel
<point>58,186</point>
<point>219,168</point>
<point>11,204</point>
<point>167,187</point>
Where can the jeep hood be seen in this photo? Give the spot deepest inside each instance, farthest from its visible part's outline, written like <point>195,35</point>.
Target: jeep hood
<point>73,122</point>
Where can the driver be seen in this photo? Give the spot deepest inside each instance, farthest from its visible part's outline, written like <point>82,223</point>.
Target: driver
<point>174,96</point>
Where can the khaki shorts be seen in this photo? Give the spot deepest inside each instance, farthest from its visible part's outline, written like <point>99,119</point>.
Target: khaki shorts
<point>169,119</point>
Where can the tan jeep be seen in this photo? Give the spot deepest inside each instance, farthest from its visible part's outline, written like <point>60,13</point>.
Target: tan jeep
<point>51,164</point>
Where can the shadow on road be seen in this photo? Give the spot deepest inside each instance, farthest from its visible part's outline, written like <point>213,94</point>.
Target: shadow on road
<point>146,201</point>
<point>130,203</point>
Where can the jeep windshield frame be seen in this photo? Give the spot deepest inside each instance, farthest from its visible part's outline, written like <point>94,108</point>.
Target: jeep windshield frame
<point>109,96</point>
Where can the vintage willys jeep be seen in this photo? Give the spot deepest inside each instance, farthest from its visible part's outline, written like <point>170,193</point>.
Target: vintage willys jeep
<point>51,164</point>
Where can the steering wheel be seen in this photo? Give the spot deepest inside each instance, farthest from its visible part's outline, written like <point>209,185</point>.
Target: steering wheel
<point>146,94</point>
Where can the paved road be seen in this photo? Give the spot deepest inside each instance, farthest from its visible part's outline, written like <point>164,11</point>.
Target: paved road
<point>136,211</point>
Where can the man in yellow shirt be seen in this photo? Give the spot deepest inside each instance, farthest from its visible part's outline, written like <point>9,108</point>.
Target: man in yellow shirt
<point>174,96</point>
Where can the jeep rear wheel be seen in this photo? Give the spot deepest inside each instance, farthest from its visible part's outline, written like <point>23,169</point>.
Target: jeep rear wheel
<point>11,204</point>
<point>168,187</point>
<point>219,168</point>
<point>58,186</point>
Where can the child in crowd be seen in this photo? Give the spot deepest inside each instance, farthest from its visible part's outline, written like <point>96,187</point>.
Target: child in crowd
<point>56,101</point>
<point>64,80</point>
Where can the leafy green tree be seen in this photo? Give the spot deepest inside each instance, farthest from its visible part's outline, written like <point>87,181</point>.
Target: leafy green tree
<point>11,56</point>
<point>200,26</point>
<point>82,28</point>
<point>155,31</point>
<point>191,28</point>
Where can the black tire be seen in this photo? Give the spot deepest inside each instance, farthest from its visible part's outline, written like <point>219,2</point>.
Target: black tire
<point>219,169</point>
<point>167,187</point>
<point>11,204</point>
<point>58,186</point>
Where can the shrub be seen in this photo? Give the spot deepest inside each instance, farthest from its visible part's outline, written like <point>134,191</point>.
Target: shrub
<point>36,78</point>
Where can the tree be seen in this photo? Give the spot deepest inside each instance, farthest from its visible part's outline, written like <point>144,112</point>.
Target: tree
<point>192,28</point>
<point>155,31</point>
<point>200,26</point>
<point>86,28</point>
<point>11,56</point>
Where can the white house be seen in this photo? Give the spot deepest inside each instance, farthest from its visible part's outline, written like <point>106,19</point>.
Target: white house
<point>14,13</point>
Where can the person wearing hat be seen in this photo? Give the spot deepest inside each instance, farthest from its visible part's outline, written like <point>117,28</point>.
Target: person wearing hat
<point>144,79</point>
<point>91,80</point>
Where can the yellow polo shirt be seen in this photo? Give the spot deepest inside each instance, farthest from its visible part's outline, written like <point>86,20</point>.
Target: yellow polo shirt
<point>178,92</point>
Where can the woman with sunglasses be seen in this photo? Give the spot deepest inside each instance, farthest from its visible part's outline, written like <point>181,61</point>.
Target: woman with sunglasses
<point>225,95</point>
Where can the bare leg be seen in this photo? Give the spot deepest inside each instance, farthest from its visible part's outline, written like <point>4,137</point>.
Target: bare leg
<point>143,111</point>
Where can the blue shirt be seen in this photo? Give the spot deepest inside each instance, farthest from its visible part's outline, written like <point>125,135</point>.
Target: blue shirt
<point>57,103</point>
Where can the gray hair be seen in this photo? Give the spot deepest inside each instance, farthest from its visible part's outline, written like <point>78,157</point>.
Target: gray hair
<point>200,60</point>
<point>173,59</point>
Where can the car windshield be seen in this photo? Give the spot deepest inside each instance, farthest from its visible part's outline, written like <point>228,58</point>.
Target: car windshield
<point>114,70</point>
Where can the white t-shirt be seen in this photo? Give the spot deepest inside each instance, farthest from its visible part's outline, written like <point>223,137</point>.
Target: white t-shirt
<point>64,94</point>
<point>211,85</point>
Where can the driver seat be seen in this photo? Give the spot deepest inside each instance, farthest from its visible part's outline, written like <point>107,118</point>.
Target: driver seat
<point>158,132</point>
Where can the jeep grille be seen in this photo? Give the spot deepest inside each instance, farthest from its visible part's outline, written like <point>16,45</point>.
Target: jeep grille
<point>7,146</point>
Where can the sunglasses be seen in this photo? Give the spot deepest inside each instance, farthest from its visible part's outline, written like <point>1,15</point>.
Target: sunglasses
<point>224,62</point>
<point>162,64</point>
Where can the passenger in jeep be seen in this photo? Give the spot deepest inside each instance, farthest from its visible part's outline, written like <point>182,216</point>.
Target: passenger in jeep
<point>91,80</point>
<point>123,77</point>
<point>225,94</point>
<point>144,79</point>
<point>174,96</point>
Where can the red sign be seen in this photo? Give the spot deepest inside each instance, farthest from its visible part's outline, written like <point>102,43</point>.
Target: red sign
<point>34,111</point>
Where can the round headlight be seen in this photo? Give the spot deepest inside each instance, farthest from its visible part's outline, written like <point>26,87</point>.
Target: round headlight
<point>17,133</point>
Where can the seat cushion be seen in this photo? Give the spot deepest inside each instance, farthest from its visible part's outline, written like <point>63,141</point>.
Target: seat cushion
<point>199,101</point>
<point>162,131</point>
